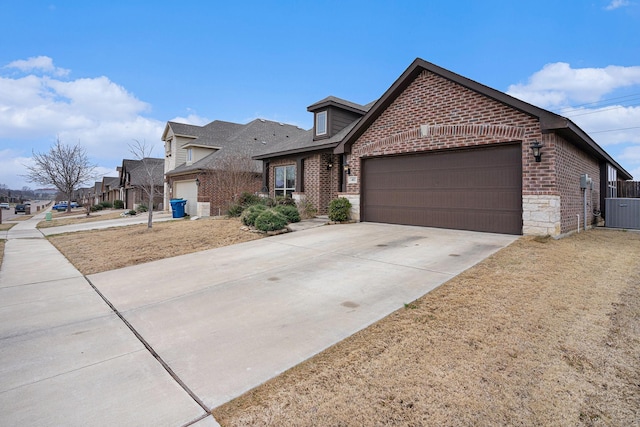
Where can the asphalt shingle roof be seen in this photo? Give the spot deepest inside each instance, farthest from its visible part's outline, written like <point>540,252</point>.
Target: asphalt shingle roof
<point>233,140</point>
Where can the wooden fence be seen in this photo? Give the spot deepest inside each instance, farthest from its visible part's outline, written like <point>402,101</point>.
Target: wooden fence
<point>629,189</point>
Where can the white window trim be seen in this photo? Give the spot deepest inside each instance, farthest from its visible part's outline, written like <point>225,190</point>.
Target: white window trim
<point>322,114</point>
<point>284,188</point>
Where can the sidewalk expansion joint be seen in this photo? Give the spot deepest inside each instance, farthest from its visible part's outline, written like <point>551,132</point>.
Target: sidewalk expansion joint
<point>151,350</point>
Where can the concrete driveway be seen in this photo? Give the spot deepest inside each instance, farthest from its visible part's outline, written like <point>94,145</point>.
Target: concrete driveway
<point>228,319</point>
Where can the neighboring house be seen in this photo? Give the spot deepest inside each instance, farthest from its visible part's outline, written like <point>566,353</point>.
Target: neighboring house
<point>97,192</point>
<point>440,150</point>
<point>84,196</point>
<point>210,165</point>
<point>135,182</point>
<point>110,189</point>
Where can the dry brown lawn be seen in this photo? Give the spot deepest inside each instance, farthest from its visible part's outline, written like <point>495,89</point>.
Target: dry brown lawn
<point>6,226</point>
<point>101,250</point>
<point>545,332</point>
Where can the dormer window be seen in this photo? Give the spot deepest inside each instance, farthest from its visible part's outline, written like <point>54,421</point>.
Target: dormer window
<point>189,155</point>
<point>321,123</point>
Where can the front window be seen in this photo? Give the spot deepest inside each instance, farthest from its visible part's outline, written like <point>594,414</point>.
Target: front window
<point>321,123</point>
<point>285,180</point>
<point>189,154</point>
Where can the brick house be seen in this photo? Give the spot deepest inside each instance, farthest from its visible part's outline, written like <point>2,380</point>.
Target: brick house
<point>135,177</point>
<point>440,150</point>
<point>109,189</point>
<point>307,168</point>
<point>210,165</point>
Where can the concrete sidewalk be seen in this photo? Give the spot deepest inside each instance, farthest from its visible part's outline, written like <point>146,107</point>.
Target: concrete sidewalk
<point>109,223</point>
<point>66,358</point>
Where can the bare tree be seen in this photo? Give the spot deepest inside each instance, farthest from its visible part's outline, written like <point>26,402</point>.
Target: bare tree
<point>65,167</point>
<point>149,171</point>
<point>233,174</point>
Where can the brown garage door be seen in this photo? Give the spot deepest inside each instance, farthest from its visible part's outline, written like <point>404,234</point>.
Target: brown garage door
<point>476,189</point>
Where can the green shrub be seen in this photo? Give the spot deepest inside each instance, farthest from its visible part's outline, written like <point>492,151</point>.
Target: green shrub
<point>250,214</point>
<point>270,220</point>
<point>142,208</point>
<point>285,200</point>
<point>248,199</point>
<point>290,212</point>
<point>97,207</point>
<point>106,204</point>
<point>132,212</point>
<point>339,209</point>
<point>234,211</point>
<point>118,204</point>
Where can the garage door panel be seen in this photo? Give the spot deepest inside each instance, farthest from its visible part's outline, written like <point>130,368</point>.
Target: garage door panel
<point>187,190</point>
<point>476,189</point>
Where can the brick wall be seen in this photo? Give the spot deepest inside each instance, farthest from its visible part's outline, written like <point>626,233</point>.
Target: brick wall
<point>321,184</point>
<point>435,101</point>
<point>207,192</point>
<point>572,163</point>
<point>457,117</point>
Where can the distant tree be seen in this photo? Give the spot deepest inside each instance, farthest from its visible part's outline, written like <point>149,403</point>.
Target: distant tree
<point>150,168</point>
<point>65,167</point>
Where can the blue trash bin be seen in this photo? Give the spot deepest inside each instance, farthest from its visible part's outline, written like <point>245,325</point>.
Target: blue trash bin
<point>177,207</point>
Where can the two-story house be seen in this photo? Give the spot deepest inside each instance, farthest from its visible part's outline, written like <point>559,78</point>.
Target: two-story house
<point>211,165</point>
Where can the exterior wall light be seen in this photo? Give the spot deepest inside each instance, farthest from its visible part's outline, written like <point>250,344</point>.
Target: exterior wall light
<point>197,182</point>
<point>329,166</point>
<point>347,169</point>
<point>535,147</point>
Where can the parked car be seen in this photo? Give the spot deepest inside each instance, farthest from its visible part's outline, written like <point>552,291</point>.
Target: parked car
<point>62,206</point>
<point>5,206</point>
<point>20,208</point>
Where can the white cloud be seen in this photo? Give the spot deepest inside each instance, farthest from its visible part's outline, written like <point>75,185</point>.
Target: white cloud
<point>559,85</point>
<point>581,95</point>
<point>615,4</point>
<point>11,167</point>
<point>619,123</point>
<point>38,63</point>
<point>191,119</point>
<point>97,113</point>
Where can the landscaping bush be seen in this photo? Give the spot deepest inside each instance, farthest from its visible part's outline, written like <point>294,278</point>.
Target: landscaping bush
<point>248,199</point>
<point>118,204</point>
<point>234,211</point>
<point>132,212</point>
<point>290,212</point>
<point>97,207</point>
<point>142,208</point>
<point>106,204</point>
<point>285,200</point>
<point>339,209</point>
<point>306,209</point>
<point>270,220</point>
<point>250,214</point>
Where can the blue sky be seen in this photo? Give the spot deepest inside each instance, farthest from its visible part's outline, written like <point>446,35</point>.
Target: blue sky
<point>105,73</point>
